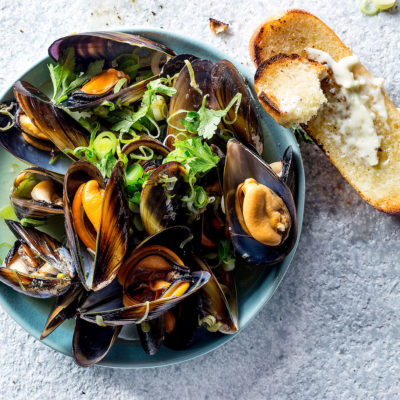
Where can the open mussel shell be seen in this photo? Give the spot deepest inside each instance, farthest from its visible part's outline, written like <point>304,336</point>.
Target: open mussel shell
<point>37,194</point>
<point>191,99</point>
<point>288,171</point>
<point>151,335</point>
<point>218,301</point>
<point>33,264</point>
<point>60,128</point>
<point>64,308</point>
<point>113,232</point>
<point>174,65</point>
<point>107,305</point>
<point>92,46</point>
<point>91,343</point>
<point>107,46</point>
<point>186,324</point>
<point>79,100</point>
<point>226,82</point>
<point>33,151</point>
<point>159,150</point>
<point>161,202</point>
<point>241,164</point>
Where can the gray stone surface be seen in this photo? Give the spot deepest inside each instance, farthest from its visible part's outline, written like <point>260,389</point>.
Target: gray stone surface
<point>332,329</point>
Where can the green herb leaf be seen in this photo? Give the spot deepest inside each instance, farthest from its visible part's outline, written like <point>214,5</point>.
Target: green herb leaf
<point>106,164</point>
<point>225,252</point>
<point>194,153</point>
<point>191,122</point>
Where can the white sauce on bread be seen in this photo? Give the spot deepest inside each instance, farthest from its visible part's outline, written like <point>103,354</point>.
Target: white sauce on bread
<point>364,103</point>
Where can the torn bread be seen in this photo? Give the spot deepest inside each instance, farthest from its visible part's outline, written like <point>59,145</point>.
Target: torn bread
<point>356,125</point>
<point>300,98</point>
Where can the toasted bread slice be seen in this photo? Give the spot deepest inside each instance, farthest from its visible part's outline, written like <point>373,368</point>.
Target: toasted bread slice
<point>291,33</point>
<point>300,97</point>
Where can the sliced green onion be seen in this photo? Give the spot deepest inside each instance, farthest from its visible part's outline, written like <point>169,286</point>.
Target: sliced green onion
<point>110,104</point>
<point>384,4</point>
<point>5,110</point>
<point>236,100</point>
<point>368,7</point>
<point>159,108</point>
<point>104,143</point>
<point>32,222</point>
<point>193,83</point>
<point>133,174</point>
<point>147,154</point>
<point>174,115</point>
<point>119,85</point>
<point>201,198</point>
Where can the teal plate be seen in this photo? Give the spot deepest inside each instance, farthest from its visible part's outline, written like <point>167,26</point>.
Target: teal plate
<point>255,285</point>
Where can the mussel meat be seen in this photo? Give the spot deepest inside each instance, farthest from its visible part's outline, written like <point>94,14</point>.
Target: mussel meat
<point>152,280</point>
<point>37,265</point>
<point>260,210</point>
<point>37,194</point>
<point>124,56</point>
<point>96,221</point>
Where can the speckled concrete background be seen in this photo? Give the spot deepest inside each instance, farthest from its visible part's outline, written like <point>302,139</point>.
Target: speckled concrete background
<point>332,329</point>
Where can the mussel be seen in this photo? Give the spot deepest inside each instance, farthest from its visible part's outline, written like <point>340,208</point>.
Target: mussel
<point>221,83</point>
<point>37,194</point>
<point>152,280</point>
<point>161,202</point>
<point>114,49</point>
<point>260,210</point>
<point>37,265</point>
<point>147,152</point>
<point>96,221</point>
<point>218,305</point>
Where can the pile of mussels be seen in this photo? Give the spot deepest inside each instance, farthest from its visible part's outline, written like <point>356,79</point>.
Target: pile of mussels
<point>153,159</point>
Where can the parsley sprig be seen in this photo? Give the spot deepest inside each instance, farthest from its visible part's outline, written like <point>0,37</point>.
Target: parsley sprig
<point>65,77</point>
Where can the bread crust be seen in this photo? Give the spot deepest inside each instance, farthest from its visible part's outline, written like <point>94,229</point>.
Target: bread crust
<point>290,33</point>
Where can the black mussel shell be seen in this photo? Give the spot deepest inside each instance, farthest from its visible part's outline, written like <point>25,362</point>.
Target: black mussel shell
<point>60,128</point>
<point>91,342</point>
<point>161,202</point>
<point>192,98</point>
<point>64,308</point>
<point>174,65</point>
<point>51,251</point>
<point>159,149</point>
<point>218,300</point>
<point>29,208</point>
<point>92,46</point>
<point>241,164</point>
<point>226,82</point>
<point>151,335</point>
<point>112,238</point>
<point>112,311</point>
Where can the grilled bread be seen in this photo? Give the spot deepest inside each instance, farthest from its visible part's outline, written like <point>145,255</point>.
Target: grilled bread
<point>344,109</point>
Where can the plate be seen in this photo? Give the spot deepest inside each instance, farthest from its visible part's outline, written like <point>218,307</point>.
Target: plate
<point>255,285</point>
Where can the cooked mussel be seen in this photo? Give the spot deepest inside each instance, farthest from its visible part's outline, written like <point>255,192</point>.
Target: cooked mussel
<point>114,49</point>
<point>218,300</point>
<point>37,194</point>
<point>96,221</point>
<point>260,210</point>
<point>21,139</point>
<point>146,151</point>
<point>37,265</point>
<point>221,83</point>
<point>161,202</point>
<point>226,82</point>
<point>152,280</point>
<point>31,133</point>
<point>91,342</point>
<point>192,100</point>
<point>286,169</point>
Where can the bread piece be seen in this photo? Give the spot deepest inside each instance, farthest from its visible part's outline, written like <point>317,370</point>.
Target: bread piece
<point>291,33</point>
<point>289,88</point>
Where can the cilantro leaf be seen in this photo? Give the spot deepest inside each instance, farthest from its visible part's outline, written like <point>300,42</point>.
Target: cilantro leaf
<point>209,121</point>
<point>106,164</point>
<point>158,86</point>
<point>194,153</point>
<point>191,122</point>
